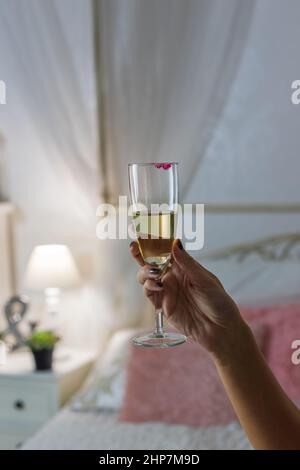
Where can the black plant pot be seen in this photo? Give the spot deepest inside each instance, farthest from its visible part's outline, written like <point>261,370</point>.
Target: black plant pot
<point>43,358</point>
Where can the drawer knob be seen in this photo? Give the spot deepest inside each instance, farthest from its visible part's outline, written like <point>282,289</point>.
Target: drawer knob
<point>19,405</point>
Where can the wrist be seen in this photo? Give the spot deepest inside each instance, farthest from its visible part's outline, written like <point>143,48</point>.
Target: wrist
<point>236,343</point>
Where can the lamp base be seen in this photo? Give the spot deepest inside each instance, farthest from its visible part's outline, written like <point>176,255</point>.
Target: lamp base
<point>52,301</point>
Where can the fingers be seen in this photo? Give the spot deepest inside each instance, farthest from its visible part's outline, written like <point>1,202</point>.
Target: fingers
<point>153,286</point>
<point>183,259</point>
<point>148,293</point>
<point>148,276</point>
<point>154,297</point>
<point>190,266</point>
<point>147,272</point>
<point>135,251</point>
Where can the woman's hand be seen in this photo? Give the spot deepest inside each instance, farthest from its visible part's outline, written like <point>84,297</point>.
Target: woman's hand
<point>193,300</point>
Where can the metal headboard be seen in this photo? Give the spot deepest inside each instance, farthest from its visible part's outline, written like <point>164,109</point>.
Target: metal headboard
<point>274,248</point>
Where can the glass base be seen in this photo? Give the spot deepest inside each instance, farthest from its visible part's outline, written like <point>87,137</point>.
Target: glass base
<point>154,340</point>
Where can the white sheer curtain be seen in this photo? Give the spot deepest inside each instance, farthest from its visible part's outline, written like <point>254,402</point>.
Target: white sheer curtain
<point>46,47</point>
<point>167,70</point>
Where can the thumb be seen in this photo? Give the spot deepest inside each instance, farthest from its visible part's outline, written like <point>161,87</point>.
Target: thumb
<point>183,259</point>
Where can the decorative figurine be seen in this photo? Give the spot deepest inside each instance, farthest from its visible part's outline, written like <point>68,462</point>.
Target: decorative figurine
<point>15,309</point>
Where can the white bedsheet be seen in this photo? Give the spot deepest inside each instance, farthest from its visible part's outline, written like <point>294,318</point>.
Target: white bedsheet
<point>101,431</point>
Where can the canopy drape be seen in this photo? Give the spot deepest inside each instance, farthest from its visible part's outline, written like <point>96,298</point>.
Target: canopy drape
<point>167,69</point>
<point>49,69</point>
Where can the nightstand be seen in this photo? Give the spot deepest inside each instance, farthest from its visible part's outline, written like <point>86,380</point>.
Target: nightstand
<point>28,399</point>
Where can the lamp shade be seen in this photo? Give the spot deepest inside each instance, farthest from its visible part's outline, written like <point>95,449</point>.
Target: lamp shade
<point>51,266</point>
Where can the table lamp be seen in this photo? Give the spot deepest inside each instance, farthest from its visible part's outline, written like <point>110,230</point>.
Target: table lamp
<point>50,269</point>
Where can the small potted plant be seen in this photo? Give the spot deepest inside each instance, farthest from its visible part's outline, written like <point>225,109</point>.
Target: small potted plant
<point>42,345</point>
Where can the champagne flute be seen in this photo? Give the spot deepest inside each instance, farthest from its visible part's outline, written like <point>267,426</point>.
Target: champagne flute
<point>154,198</point>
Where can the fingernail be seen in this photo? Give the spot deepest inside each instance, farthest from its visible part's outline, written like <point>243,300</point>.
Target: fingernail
<point>131,244</point>
<point>180,246</point>
<point>154,271</point>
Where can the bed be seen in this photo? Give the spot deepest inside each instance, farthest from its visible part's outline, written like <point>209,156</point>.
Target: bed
<point>92,419</point>
<point>101,431</point>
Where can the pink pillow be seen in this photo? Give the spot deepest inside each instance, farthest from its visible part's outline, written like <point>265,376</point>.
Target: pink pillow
<point>176,385</point>
<point>283,322</point>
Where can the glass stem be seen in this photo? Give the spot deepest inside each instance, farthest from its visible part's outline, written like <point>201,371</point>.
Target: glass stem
<point>159,323</point>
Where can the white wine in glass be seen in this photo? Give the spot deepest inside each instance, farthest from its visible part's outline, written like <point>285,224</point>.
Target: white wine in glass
<point>154,197</point>
<point>155,234</point>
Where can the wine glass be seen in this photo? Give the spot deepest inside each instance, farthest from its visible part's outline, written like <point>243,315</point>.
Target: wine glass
<point>154,198</point>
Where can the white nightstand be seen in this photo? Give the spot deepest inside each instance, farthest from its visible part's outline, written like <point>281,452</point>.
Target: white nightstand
<point>28,399</point>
